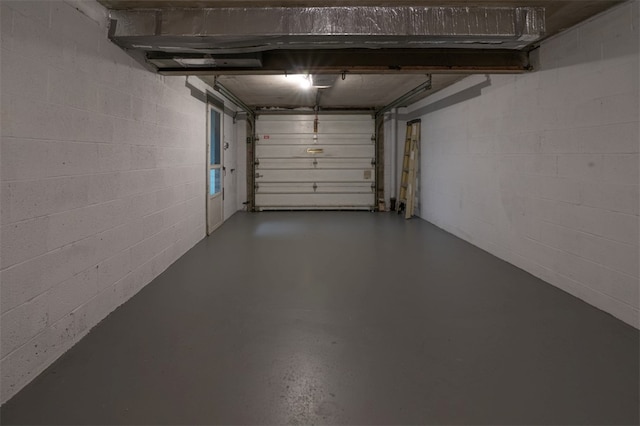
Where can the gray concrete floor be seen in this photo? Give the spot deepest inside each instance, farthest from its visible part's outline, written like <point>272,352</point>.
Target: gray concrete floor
<point>339,317</point>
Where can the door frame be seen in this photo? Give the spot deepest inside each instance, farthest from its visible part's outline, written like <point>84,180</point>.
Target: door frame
<point>215,201</point>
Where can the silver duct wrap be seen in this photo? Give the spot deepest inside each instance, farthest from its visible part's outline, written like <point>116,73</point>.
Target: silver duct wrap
<point>242,30</point>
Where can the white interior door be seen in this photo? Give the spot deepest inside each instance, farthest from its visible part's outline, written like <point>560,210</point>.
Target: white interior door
<point>215,204</point>
<point>304,164</point>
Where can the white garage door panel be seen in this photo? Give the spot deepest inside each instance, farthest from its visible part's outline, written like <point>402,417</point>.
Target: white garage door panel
<point>320,188</point>
<point>311,175</point>
<point>269,128</point>
<point>300,151</point>
<point>306,139</point>
<point>308,163</point>
<point>313,201</point>
<point>299,169</point>
<point>351,118</point>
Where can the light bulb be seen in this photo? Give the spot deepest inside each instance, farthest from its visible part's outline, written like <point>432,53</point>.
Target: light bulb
<point>307,82</point>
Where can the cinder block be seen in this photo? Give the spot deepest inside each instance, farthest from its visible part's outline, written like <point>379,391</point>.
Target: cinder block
<point>36,159</point>
<point>114,157</point>
<point>6,28</point>
<point>24,364</point>
<point>623,287</point>
<point>105,187</point>
<point>29,119</point>
<point>114,102</point>
<point>143,110</point>
<point>36,10</point>
<point>125,288</point>
<point>609,196</point>
<point>75,89</point>
<point>586,113</point>
<point>113,269</point>
<point>101,305</point>
<point>614,255</point>
<point>34,39</point>
<point>147,249</point>
<point>91,127</point>
<point>70,294</point>
<point>143,157</point>
<point>22,76</point>
<point>23,240</point>
<point>619,78</point>
<point>74,225</point>
<point>580,166</point>
<point>33,277</point>
<point>75,26</point>
<point>152,224</point>
<point>21,323</point>
<point>556,188</point>
<point>611,138</point>
<point>579,217</point>
<point>620,227</point>
<point>622,169</point>
<point>167,197</point>
<point>115,240</point>
<point>28,199</point>
<point>621,257</point>
<point>620,108</point>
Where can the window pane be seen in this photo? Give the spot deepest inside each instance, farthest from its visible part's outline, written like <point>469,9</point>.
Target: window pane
<point>215,137</point>
<point>214,181</point>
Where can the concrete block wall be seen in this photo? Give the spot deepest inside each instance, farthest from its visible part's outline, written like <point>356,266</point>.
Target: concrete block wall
<point>541,169</point>
<point>102,180</point>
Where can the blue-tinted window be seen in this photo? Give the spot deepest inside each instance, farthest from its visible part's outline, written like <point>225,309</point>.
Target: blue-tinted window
<point>214,181</point>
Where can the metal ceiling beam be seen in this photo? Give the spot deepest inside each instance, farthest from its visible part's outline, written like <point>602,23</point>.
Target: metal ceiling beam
<point>243,30</point>
<point>406,98</point>
<point>365,61</point>
<point>233,98</point>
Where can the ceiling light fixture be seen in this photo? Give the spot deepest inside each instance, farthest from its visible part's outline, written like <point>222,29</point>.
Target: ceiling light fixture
<point>305,81</point>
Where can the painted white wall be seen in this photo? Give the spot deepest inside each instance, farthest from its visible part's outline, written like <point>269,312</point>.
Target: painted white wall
<point>103,169</point>
<point>230,163</point>
<point>541,169</point>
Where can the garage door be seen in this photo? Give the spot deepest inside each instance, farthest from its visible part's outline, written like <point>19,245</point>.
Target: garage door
<point>305,165</point>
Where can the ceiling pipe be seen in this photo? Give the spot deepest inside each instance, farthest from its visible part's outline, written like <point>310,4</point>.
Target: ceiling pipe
<point>406,97</point>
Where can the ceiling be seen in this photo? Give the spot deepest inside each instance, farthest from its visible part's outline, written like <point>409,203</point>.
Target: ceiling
<point>374,76</point>
<point>356,91</point>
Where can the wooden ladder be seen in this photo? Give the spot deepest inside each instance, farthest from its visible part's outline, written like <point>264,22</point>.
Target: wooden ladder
<point>408,182</point>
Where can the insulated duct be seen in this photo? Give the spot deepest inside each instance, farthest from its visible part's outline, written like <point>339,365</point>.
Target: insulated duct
<point>218,31</point>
